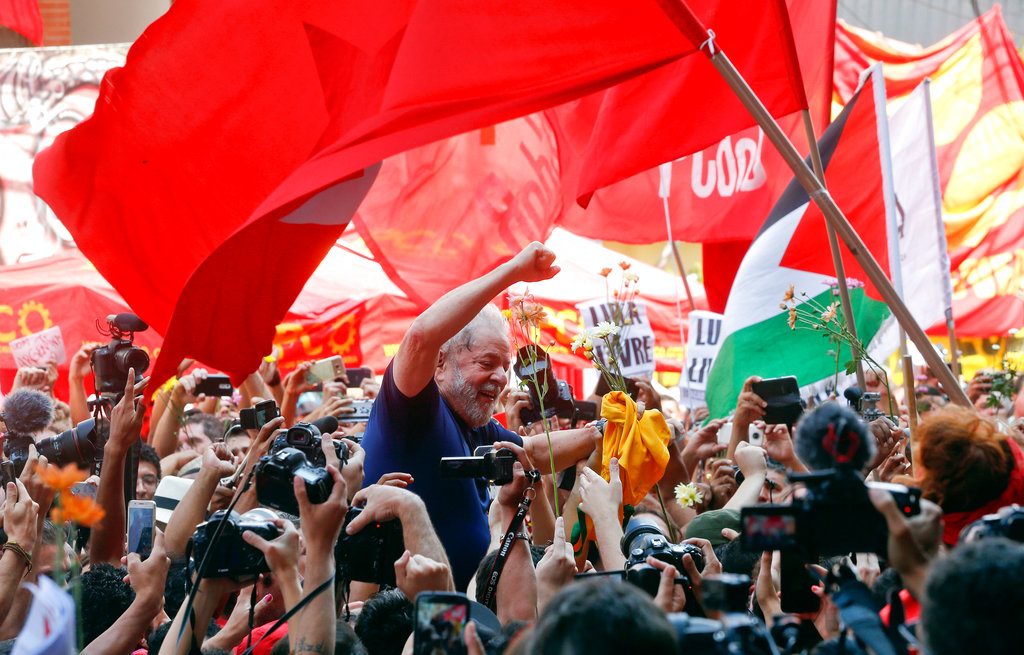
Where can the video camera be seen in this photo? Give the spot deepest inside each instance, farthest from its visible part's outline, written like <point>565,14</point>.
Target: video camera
<point>486,462</point>
<point>110,363</point>
<point>230,556</point>
<point>835,516</point>
<point>370,554</point>
<point>864,403</point>
<point>555,395</point>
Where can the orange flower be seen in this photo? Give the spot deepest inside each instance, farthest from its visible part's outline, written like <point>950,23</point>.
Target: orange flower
<point>61,479</point>
<point>81,509</point>
<point>605,272</point>
<point>624,265</point>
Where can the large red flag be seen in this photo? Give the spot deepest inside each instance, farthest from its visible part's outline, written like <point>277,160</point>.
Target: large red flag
<point>454,209</point>
<point>447,212</point>
<point>719,195</point>
<point>977,100</point>
<point>221,164</point>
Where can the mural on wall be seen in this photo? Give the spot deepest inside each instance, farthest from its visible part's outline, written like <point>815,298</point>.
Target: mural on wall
<point>43,91</point>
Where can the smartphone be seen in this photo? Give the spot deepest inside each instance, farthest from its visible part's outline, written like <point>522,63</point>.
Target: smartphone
<point>254,418</point>
<point>361,411</point>
<point>586,411</point>
<point>357,375</point>
<point>215,385</point>
<point>141,527</point>
<point>326,369</point>
<point>755,436</point>
<point>768,528</point>
<point>783,398</point>
<point>441,619</point>
<point>795,583</point>
<point>84,489</point>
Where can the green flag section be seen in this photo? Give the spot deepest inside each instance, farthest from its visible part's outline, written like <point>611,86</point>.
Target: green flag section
<point>791,251</point>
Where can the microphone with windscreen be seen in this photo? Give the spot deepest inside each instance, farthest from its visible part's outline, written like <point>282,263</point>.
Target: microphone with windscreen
<point>834,436</point>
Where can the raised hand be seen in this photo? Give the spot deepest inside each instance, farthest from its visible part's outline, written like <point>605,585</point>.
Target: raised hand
<point>282,553</point>
<point>80,366</point>
<point>20,514</point>
<point>127,415</point>
<point>749,406</point>
<point>557,568</point>
<point>534,263</point>
<point>418,573</point>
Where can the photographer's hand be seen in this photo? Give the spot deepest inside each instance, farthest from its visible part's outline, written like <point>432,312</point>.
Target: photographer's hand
<point>353,469</point>
<point>295,384</point>
<point>282,556</point>
<point>191,509</point>
<point>517,401</point>
<point>914,542</point>
<point>779,445</point>
<point>79,369</point>
<point>418,573</point>
<point>384,502</point>
<point>749,408</point>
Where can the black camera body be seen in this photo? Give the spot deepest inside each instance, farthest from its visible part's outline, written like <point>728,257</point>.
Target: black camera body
<point>737,632</point>
<point>370,554</point>
<point>274,475</point>
<point>835,517</point>
<point>80,445</point>
<point>306,437</point>
<point>486,462</point>
<point>643,538</point>
<point>230,556</point>
<point>558,401</point>
<point>361,408</point>
<point>110,363</point>
<point>1008,522</point>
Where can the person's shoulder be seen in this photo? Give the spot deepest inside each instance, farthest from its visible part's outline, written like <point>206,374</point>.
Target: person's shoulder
<point>391,394</point>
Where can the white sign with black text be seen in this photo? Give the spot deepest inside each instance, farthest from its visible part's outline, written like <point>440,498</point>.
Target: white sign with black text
<point>702,346</point>
<point>636,343</point>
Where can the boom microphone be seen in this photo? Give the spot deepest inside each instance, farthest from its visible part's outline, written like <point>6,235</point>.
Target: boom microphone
<point>326,425</point>
<point>27,411</point>
<point>834,436</point>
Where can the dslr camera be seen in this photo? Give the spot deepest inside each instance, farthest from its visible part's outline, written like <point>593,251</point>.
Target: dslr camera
<point>556,395</point>
<point>370,554</point>
<point>1008,522</point>
<point>306,438</point>
<point>737,632</point>
<point>486,462</point>
<point>80,445</point>
<point>642,539</point>
<point>110,363</point>
<point>230,556</point>
<point>274,475</point>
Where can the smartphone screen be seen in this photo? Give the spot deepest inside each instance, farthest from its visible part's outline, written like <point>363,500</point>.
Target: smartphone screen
<point>141,521</point>
<point>440,621</point>
<point>768,528</point>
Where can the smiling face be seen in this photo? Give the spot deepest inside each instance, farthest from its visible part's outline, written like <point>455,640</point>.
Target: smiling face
<point>471,376</point>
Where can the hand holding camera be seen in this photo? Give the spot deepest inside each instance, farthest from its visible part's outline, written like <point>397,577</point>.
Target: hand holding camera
<point>148,577</point>
<point>321,522</point>
<point>282,551</point>
<point>749,406</point>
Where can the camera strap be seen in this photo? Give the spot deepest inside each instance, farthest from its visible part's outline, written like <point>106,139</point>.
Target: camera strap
<point>306,600</point>
<point>509,539</point>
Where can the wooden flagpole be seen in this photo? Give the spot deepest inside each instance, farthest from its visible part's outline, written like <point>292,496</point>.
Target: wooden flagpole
<point>834,216</point>
<point>833,246</point>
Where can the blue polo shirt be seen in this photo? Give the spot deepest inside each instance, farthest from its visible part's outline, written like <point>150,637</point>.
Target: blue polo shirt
<point>411,435</point>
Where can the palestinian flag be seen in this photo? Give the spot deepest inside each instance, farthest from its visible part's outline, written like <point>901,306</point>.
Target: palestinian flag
<point>792,250</point>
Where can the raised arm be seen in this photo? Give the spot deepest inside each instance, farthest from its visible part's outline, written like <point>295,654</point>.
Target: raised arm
<point>417,357</point>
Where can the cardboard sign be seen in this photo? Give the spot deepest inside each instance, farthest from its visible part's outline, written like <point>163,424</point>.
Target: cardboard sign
<point>702,346</point>
<point>636,356</point>
<point>39,349</point>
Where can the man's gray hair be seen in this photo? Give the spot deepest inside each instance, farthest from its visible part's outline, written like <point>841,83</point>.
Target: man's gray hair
<point>489,318</point>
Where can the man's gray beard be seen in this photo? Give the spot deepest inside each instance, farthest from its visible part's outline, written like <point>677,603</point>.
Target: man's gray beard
<point>465,400</point>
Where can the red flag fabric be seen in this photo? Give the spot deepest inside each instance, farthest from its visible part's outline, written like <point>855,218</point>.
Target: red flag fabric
<point>220,165</point>
<point>718,196</point>
<point>977,98</point>
<point>654,118</point>
<point>23,17</point>
<point>447,212</point>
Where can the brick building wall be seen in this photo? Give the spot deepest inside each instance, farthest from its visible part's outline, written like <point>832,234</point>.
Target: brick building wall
<point>56,26</point>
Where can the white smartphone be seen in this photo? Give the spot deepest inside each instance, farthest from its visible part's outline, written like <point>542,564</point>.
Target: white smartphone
<point>141,527</point>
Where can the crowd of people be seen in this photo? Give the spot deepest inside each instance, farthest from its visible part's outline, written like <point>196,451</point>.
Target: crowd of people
<point>836,534</point>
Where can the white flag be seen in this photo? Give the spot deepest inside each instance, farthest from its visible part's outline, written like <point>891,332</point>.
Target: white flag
<point>917,217</point>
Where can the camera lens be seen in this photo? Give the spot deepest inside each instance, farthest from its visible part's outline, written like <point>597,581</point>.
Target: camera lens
<point>131,357</point>
<point>640,533</point>
<point>74,446</point>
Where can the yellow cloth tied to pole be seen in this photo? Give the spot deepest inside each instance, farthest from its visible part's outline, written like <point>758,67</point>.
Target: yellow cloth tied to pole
<point>641,446</point>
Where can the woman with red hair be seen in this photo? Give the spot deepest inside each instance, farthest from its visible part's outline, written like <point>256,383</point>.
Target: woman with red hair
<point>967,466</point>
